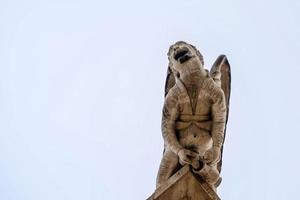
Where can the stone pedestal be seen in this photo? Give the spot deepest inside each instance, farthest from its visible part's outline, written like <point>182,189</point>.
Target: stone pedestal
<point>184,185</point>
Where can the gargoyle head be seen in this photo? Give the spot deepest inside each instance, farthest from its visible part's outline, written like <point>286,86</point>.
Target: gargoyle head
<point>183,56</point>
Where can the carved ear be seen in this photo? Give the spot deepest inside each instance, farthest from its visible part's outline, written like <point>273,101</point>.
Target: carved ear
<point>222,67</point>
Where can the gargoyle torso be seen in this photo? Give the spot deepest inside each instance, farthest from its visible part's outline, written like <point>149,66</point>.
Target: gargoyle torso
<point>194,115</point>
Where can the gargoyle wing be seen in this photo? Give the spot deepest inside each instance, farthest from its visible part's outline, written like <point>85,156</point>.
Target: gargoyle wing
<point>220,72</point>
<point>170,81</point>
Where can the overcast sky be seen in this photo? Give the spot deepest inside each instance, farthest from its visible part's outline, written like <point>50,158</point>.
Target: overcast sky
<point>82,84</point>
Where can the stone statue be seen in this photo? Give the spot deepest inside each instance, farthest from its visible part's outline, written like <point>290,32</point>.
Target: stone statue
<point>195,114</point>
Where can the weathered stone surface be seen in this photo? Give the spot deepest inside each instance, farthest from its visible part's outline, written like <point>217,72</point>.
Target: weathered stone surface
<point>194,118</point>
<point>184,185</point>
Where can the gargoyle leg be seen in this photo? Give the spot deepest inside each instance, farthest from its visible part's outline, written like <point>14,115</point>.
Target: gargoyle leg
<point>168,166</point>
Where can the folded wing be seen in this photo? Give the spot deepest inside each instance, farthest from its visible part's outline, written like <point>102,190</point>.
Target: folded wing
<point>221,74</point>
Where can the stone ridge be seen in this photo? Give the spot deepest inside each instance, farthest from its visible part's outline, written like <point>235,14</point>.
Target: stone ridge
<point>184,185</point>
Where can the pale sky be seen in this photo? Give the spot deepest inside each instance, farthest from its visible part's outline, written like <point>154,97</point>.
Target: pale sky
<point>82,84</point>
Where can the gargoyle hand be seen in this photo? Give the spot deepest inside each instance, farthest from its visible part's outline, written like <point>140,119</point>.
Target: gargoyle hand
<point>189,157</point>
<point>212,155</point>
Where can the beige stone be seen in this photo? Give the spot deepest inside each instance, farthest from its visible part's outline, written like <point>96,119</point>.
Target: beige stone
<point>184,185</point>
<point>195,115</point>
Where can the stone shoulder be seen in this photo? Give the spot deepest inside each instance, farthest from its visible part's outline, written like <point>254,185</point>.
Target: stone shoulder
<point>174,92</point>
<point>214,91</point>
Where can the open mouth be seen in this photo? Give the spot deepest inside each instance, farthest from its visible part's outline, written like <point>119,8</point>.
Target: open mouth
<point>182,56</point>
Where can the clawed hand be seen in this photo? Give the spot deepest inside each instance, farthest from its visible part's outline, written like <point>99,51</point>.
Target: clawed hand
<point>189,157</point>
<point>192,158</point>
<point>211,155</point>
